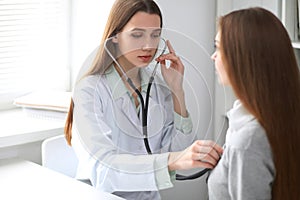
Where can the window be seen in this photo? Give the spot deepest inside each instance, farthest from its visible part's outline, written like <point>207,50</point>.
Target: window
<point>34,47</point>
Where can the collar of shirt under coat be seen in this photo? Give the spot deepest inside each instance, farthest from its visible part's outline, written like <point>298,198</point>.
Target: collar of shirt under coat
<point>117,86</point>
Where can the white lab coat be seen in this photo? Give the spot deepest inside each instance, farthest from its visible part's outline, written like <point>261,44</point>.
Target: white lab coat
<point>107,138</point>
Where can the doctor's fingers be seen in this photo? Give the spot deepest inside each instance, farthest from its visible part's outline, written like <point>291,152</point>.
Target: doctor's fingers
<point>207,152</point>
<point>206,158</point>
<point>204,162</point>
<point>175,60</point>
<point>171,56</point>
<point>209,143</point>
<point>170,47</point>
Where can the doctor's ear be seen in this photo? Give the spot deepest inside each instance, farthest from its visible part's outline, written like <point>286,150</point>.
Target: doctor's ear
<point>115,39</point>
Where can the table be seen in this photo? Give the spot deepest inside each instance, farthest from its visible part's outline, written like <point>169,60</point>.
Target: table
<point>21,179</point>
<point>18,128</point>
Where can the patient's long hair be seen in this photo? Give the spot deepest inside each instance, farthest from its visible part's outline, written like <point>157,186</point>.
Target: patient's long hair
<point>263,72</point>
<point>121,12</point>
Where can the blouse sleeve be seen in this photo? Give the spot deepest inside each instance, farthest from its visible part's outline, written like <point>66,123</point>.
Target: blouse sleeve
<point>183,124</point>
<point>249,176</point>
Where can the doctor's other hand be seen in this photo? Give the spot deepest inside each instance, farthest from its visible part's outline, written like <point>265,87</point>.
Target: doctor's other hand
<point>201,154</point>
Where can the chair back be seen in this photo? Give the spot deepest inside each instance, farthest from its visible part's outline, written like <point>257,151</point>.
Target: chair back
<point>59,156</point>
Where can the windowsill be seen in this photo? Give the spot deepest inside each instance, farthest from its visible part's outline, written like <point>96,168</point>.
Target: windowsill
<point>17,127</point>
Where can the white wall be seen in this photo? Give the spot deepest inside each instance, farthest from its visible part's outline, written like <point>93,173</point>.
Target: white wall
<point>229,5</point>
<point>87,25</point>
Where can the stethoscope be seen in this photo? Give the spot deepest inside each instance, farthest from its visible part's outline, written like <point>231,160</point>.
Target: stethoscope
<point>144,108</point>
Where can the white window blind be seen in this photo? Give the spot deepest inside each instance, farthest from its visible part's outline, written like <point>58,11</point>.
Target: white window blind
<point>34,45</point>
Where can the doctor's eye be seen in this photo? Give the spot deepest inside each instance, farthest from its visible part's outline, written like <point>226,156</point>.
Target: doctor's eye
<point>156,34</point>
<point>137,34</point>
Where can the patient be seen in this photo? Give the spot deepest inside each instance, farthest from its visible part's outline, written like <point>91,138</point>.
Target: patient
<point>255,57</point>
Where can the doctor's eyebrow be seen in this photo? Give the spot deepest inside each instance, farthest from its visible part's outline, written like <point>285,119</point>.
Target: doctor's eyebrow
<point>145,29</point>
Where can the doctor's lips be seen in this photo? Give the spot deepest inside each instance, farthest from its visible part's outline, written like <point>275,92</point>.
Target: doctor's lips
<point>146,58</point>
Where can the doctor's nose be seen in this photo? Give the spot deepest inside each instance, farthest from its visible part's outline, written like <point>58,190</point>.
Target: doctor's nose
<point>149,44</point>
<point>146,47</point>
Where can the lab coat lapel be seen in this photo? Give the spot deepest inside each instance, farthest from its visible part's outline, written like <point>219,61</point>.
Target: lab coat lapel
<point>128,115</point>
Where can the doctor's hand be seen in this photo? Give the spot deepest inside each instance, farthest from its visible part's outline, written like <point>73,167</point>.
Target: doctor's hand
<point>173,74</point>
<point>201,154</point>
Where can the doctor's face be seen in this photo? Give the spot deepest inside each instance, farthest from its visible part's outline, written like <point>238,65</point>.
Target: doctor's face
<point>139,39</point>
<point>219,65</point>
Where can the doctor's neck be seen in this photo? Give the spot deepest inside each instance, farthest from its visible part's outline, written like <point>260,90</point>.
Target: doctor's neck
<point>131,72</point>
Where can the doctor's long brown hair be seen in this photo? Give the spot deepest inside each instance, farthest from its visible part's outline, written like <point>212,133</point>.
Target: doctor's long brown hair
<point>120,13</point>
<point>263,72</point>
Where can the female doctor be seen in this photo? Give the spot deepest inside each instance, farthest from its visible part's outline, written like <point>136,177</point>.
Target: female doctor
<point>106,113</point>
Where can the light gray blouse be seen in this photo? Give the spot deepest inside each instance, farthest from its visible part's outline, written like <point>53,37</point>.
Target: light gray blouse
<point>246,169</point>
